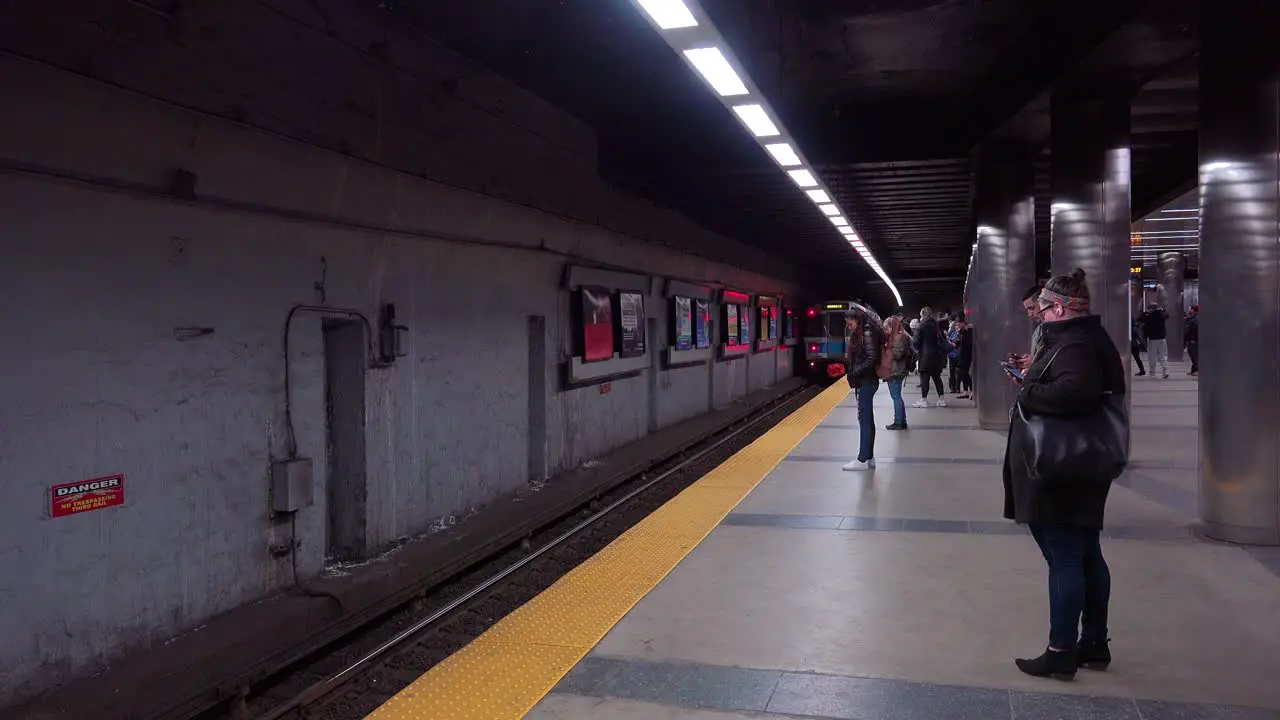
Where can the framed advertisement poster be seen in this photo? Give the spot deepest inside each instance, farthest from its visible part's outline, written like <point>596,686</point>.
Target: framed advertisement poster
<point>684,323</point>
<point>731,324</point>
<point>773,323</point>
<point>597,324</point>
<point>702,324</point>
<point>631,311</point>
<point>744,334</point>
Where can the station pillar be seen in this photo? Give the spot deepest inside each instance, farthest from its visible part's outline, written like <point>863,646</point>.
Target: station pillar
<point>1173,271</point>
<point>1004,268</point>
<point>1090,214</point>
<point>1240,273</point>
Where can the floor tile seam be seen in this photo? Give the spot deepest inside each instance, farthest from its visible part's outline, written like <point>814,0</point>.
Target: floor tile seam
<point>887,680</point>
<point>1107,533</point>
<point>812,413</point>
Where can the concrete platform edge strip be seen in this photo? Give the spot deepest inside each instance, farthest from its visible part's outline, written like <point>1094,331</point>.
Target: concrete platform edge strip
<point>876,523</point>
<point>505,672</point>
<point>795,694</point>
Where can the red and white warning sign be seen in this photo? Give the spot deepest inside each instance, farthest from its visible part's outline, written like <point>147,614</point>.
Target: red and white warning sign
<point>86,495</point>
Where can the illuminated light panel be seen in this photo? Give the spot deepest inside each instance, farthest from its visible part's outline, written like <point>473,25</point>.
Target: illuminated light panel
<point>711,60</point>
<point>784,154</point>
<point>669,14</point>
<point>715,69</point>
<point>829,210</point>
<point>803,178</point>
<point>756,120</point>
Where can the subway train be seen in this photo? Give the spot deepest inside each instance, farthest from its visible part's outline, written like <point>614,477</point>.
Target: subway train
<point>826,338</point>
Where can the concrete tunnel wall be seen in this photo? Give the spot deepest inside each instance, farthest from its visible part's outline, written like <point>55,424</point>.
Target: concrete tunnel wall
<point>98,273</point>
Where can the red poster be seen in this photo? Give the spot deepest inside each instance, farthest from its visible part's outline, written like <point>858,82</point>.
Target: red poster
<point>597,324</point>
<point>77,497</point>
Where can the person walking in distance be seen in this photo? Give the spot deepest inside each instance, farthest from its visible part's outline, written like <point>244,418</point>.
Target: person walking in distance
<point>1071,378</point>
<point>865,345</point>
<point>1137,345</point>
<point>1192,338</point>
<point>931,349</point>
<point>1155,328</point>
<point>897,358</point>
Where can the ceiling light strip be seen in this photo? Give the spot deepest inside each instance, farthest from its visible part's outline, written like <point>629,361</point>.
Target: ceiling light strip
<point>688,30</point>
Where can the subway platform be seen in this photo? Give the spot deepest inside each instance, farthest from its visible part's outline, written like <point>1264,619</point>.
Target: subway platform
<point>779,586</point>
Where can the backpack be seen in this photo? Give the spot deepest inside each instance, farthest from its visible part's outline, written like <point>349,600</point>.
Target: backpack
<point>884,370</point>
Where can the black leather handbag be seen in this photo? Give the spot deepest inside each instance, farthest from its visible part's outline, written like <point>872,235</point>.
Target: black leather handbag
<point>1059,449</point>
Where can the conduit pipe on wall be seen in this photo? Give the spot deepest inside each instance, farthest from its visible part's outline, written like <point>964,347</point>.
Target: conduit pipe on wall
<point>291,441</point>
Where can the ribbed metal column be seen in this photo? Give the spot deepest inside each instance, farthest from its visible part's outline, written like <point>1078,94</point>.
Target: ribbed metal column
<point>1090,217</point>
<point>1005,211</point>
<point>1173,271</point>
<point>1240,272</point>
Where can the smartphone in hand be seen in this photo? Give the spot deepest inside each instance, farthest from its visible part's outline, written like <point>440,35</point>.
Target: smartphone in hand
<point>1012,371</point>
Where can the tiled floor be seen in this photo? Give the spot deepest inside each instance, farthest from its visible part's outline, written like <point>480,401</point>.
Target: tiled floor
<point>901,593</point>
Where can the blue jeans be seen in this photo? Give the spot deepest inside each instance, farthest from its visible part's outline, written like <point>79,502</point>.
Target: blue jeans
<point>866,419</point>
<point>1079,583</point>
<point>899,407</point>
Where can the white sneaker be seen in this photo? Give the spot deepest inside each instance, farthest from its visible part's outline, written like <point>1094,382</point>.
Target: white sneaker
<point>942,403</point>
<point>920,404</point>
<point>859,465</point>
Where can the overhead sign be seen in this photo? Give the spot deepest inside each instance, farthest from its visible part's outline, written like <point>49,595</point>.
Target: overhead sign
<point>78,497</point>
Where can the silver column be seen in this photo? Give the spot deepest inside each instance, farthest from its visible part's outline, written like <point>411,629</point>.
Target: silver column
<point>1089,221</point>
<point>1005,268</point>
<point>1173,270</point>
<point>1240,273</point>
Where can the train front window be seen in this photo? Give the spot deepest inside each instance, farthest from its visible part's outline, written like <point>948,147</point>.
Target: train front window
<point>825,325</point>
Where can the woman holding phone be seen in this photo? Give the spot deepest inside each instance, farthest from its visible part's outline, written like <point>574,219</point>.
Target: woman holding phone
<point>1069,378</point>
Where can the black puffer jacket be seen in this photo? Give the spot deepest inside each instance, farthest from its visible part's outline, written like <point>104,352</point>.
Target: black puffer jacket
<point>864,356</point>
<point>1086,365</point>
<point>930,347</point>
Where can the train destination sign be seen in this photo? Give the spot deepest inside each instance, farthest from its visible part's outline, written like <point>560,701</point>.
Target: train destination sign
<point>77,497</point>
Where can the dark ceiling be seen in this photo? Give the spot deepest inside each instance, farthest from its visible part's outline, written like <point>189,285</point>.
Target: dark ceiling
<point>888,99</point>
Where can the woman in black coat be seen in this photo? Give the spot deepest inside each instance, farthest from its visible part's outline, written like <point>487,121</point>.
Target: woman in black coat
<point>1069,376</point>
<point>865,341</point>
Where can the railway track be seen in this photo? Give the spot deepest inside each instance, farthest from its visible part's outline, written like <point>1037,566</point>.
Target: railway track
<point>354,675</point>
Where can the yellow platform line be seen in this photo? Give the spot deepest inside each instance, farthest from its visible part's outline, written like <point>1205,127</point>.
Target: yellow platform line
<point>503,673</point>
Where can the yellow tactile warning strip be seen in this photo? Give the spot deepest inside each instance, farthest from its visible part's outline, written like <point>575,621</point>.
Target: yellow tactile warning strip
<point>503,673</point>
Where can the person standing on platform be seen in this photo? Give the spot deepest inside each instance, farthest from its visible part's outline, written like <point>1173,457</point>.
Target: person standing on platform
<point>931,349</point>
<point>897,350</point>
<point>953,352</point>
<point>964,359</point>
<point>1192,338</point>
<point>1031,304</point>
<point>1155,328</point>
<point>1070,379</point>
<point>865,342</point>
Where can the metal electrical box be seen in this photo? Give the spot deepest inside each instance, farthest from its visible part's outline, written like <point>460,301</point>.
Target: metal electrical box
<point>291,485</point>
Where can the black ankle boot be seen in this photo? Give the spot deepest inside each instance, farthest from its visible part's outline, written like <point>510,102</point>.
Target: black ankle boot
<point>1057,664</point>
<point>1093,654</point>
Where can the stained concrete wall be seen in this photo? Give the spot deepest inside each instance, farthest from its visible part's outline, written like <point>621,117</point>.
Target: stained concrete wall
<point>100,272</point>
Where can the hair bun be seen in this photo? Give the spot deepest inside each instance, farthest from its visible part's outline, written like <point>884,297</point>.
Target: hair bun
<point>1078,274</point>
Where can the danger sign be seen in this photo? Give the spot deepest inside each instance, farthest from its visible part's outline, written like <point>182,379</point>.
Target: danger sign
<point>86,495</point>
